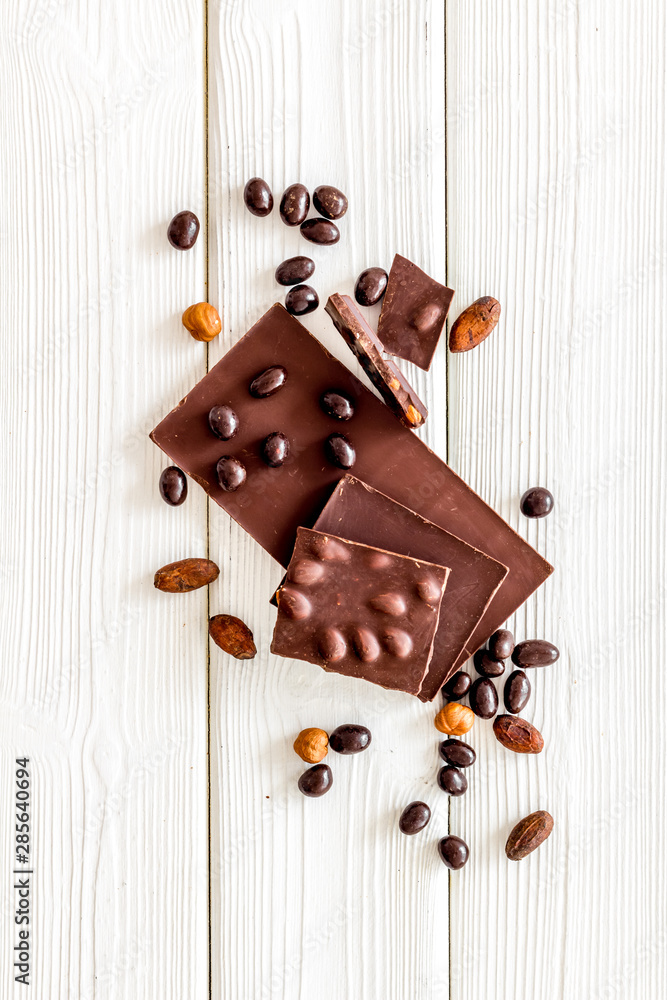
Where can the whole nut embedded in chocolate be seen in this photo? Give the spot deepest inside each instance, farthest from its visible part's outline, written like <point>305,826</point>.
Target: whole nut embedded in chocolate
<point>185,575</point>
<point>340,451</point>
<point>268,382</point>
<point>517,734</point>
<point>337,405</point>
<point>202,321</point>
<point>474,324</point>
<point>231,473</point>
<point>223,421</point>
<point>312,745</point>
<point>183,230</point>
<point>528,834</point>
<point>257,197</point>
<point>454,719</point>
<point>233,636</point>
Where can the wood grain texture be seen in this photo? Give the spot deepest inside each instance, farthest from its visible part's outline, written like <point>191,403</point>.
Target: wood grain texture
<point>556,137</point>
<point>104,679</point>
<point>317,897</point>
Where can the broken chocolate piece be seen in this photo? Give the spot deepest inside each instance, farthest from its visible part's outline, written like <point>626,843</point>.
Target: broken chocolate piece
<point>413,314</point>
<point>396,391</point>
<point>361,514</point>
<point>272,503</point>
<point>359,611</point>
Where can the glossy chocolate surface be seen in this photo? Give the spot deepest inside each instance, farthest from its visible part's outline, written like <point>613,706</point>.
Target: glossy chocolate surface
<point>414,311</point>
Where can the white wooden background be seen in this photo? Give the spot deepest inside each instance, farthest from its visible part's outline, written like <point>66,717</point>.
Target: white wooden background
<point>512,148</point>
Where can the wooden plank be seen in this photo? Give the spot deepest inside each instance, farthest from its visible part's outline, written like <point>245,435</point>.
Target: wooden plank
<point>556,117</point>
<point>315,898</point>
<point>103,683</point>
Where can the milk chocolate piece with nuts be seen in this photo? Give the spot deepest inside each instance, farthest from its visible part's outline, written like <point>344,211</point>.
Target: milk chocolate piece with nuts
<point>358,610</point>
<point>396,391</point>
<point>413,313</point>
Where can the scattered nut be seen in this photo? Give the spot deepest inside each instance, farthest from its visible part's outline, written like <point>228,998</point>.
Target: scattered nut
<point>528,834</point>
<point>232,635</point>
<point>202,320</point>
<point>454,719</point>
<point>517,734</point>
<point>474,324</point>
<point>185,575</point>
<point>312,745</point>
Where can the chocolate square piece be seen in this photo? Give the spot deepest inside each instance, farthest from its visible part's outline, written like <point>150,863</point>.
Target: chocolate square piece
<point>272,502</point>
<point>361,514</point>
<point>414,311</point>
<point>358,610</point>
<point>394,388</point>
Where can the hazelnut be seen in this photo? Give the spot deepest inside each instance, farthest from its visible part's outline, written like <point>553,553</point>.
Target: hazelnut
<point>203,321</point>
<point>312,745</point>
<point>454,719</point>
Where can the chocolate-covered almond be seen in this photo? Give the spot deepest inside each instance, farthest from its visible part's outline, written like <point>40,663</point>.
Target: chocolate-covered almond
<point>457,686</point>
<point>231,473</point>
<point>337,404</point>
<point>340,451</point>
<point>301,299</point>
<point>275,449</point>
<point>535,653</point>
<point>173,486</point>
<point>453,852</point>
<point>457,753</point>
<point>320,231</point>
<point>295,270</point>
<point>349,739</point>
<point>223,421</point>
<point>537,502</point>
<point>452,781</point>
<point>268,382</point>
<point>414,818</point>
<point>257,197</point>
<point>483,698</point>
<point>517,692</point>
<point>183,230</point>
<point>294,204</point>
<point>501,644</point>
<point>486,665</point>
<point>371,286</point>
<point>329,201</point>
<point>316,781</point>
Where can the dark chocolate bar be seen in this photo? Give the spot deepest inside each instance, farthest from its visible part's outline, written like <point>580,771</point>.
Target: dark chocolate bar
<point>359,611</point>
<point>414,311</point>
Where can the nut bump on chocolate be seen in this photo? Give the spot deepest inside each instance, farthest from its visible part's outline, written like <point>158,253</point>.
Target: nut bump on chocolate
<point>414,311</point>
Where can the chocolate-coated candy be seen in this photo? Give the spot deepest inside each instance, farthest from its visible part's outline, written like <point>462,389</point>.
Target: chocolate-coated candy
<point>517,692</point>
<point>275,449</point>
<point>316,781</point>
<point>501,644</point>
<point>257,197</point>
<point>231,473</point>
<point>457,753</point>
<point>486,665</point>
<point>537,502</point>
<point>371,286</point>
<point>320,231</point>
<point>414,818</point>
<point>452,781</point>
<point>294,204</point>
<point>268,382</point>
<point>337,404</point>
<point>453,852</point>
<point>349,739</point>
<point>457,686</point>
<point>535,653</point>
<point>483,698</point>
<point>301,299</point>
<point>223,421</point>
<point>340,451</point>
<point>294,270</point>
<point>173,486</point>
<point>329,201</point>
<point>183,230</point>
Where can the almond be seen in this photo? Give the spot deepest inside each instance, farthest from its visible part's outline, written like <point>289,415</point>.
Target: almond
<point>474,324</point>
<point>185,575</point>
<point>232,635</point>
<point>517,734</point>
<point>528,834</point>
